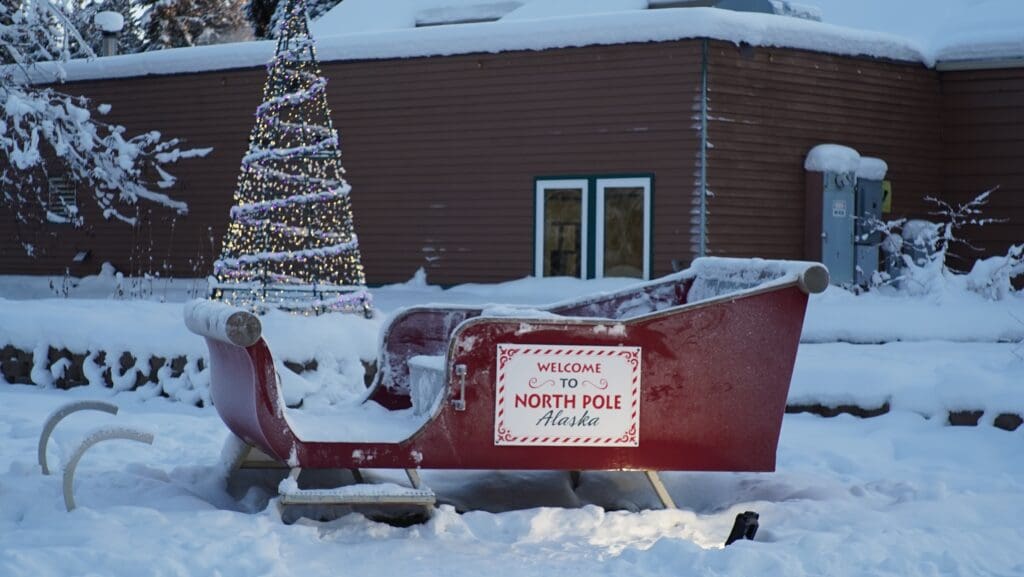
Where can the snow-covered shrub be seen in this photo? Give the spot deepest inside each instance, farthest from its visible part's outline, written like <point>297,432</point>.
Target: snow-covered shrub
<point>918,253</point>
<point>62,287</point>
<point>992,277</point>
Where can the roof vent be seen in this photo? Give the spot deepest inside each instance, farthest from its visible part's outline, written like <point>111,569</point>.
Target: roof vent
<point>110,24</point>
<point>780,7</point>
<point>803,11</point>
<point>484,12</point>
<point>652,4</point>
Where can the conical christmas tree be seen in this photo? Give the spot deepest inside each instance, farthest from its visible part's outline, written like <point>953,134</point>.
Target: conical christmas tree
<point>291,243</point>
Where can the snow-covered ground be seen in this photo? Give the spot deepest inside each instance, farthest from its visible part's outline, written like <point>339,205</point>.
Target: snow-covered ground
<point>901,494</point>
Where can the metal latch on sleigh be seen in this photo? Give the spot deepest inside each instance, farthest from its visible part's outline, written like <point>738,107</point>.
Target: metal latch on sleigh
<point>459,374</point>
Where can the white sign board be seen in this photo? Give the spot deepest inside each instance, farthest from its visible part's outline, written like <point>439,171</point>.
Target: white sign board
<point>555,395</point>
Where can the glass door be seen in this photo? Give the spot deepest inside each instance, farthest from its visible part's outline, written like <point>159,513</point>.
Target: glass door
<point>623,228</point>
<point>561,228</point>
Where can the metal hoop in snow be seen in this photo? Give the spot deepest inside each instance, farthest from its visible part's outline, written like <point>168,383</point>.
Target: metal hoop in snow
<point>56,417</point>
<point>97,435</point>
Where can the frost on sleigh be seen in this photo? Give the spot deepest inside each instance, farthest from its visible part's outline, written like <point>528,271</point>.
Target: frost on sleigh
<point>689,372</point>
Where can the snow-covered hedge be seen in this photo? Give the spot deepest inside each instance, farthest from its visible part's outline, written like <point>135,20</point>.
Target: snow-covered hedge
<point>144,345</point>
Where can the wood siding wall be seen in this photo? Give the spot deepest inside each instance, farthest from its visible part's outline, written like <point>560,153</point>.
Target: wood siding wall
<point>443,160</point>
<point>441,153</point>
<point>983,138</point>
<point>769,106</point>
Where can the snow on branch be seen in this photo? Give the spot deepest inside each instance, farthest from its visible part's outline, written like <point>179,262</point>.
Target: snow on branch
<point>44,132</point>
<point>956,217</point>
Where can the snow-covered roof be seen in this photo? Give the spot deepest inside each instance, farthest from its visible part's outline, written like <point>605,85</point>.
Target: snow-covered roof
<point>337,42</point>
<point>909,30</point>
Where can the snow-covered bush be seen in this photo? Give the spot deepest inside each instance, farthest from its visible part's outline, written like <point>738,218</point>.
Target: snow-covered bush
<point>918,253</point>
<point>992,277</point>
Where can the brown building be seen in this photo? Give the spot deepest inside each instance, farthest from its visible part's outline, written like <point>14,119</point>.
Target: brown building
<point>589,159</point>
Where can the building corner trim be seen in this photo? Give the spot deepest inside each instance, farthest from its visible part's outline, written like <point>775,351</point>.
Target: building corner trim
<point>703,148</point>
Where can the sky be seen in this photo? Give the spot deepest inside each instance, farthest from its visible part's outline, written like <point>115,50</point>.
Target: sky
<point>946,28</point>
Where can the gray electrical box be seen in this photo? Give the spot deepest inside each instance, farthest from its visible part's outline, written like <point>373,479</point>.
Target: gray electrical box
<point>868,237</point>
<point>830,211</point>
<point>870,192</point>
<point>837,226</point>
<point>845,196</point>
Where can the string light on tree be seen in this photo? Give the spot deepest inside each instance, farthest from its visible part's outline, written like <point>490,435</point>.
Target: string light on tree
<point>291,243</point>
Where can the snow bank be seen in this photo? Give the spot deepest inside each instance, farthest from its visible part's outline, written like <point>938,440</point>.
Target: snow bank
<point>165,358</point>
<point>839,316</point>
<point>931,378</point>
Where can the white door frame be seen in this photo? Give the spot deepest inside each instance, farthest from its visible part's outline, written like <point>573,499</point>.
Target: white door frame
<point>605,183</point>
<point>538,243</point>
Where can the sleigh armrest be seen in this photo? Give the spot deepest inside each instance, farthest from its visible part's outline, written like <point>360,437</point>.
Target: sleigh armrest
<point>222,322</point>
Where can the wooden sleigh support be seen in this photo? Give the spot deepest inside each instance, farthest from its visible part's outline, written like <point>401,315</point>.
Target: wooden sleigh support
<point>689,372</point>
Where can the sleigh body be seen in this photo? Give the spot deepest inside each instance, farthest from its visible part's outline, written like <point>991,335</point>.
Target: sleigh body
<point>688,372</point>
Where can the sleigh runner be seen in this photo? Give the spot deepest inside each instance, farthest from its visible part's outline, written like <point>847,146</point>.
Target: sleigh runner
<point>687,372</point>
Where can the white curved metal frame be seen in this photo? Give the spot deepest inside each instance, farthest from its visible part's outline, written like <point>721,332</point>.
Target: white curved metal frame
<point>97,435</point>
<point>58,415</point>
<point>94,436</point>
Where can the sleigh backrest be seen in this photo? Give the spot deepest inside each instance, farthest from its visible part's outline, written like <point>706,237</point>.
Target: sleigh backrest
<point>243,382</point>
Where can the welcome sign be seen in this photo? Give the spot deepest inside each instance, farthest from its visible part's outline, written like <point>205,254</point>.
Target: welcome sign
<point>552,395</point>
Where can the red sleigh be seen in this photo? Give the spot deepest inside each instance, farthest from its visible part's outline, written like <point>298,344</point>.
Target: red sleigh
<point>687,372</point>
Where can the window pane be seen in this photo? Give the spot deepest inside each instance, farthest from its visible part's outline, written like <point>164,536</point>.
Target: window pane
<point>563,208</point>
<point>624,231</point>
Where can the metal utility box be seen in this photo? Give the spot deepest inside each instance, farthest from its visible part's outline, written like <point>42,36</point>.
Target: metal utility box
<point>830,206</point>
<point>869,198</point>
